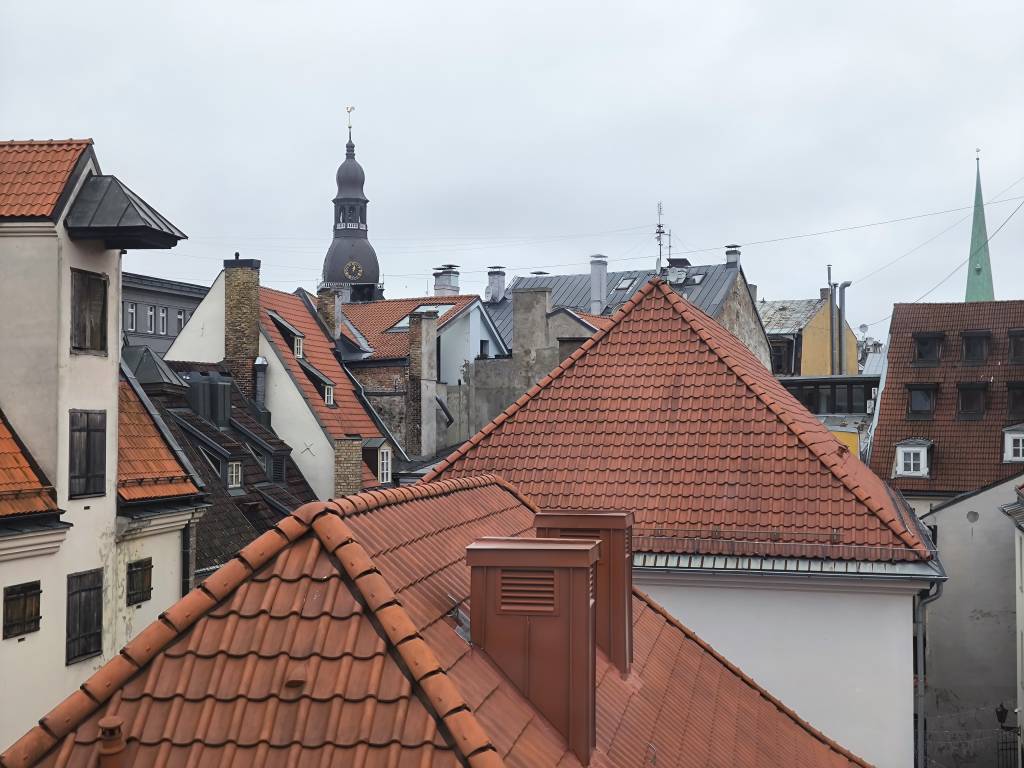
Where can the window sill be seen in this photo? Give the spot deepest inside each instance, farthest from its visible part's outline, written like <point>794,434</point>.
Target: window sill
<point>78,659</point>
<point>89,352</point>
<point>21,635</point>
<point>919,416</point>
<point>87,496</point>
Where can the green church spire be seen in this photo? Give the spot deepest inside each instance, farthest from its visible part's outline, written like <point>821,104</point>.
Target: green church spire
<point>979,268</point>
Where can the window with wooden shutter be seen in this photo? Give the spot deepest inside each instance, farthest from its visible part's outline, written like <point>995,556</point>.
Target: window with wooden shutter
<point>85,616</point>
<point>88,311</point>
<point>87,453</point>
<point>140,581</point>
<point>527,590</point>
<point>21,609</point>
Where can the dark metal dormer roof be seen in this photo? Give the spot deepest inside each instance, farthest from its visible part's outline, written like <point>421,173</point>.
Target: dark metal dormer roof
<point>105,209</point>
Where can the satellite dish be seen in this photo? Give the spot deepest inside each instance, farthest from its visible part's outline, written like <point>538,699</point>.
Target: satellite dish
<point>863,328</point>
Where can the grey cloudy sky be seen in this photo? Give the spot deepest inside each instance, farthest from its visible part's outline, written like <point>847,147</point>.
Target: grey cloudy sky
<point>535,134</point>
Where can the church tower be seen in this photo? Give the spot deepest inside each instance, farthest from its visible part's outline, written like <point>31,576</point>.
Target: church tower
<point>351,271</point>
<point>979,265</point>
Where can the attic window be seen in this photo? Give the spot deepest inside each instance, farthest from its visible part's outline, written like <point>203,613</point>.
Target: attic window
<point>384,464</point>
<point>328,394</point>
<point>921,401</point>
<point>975,347</point>
<point>297,346</point>
<point>971,401</point>
<point>1013,447</point>
<point>1016,346</point>
<point>694,279</point>
<point>624,283</point>
<point>911,461</point>
<point>1015,399</point>
<point>403,324</point>
<point>927,348</point>
<point>234,474</point>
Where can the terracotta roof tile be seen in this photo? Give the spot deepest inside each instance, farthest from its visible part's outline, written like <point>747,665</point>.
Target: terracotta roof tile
<point>966,454</point>
<point>281,634</point>
<point>347,416</point>
<point>33,174</point>
<point>598,321</point>
<point>23,489</point>
<point>374,318</point>
<point>146,466</point>
<point>668,415</point>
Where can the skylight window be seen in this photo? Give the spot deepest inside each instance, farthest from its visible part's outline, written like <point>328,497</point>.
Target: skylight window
<point>624,283</point>
<point>403,324</point>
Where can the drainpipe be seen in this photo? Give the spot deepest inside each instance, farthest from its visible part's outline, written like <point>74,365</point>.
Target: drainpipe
<point>841,330</point>
<point>924,597</point>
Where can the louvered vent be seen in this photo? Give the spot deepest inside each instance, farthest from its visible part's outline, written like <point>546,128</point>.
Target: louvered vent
<point>528,590</point>
<point>579,533</point>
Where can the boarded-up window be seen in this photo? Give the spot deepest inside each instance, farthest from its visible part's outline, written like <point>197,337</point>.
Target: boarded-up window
<point>85,615</point>
<point>21,609</point>
<point>140,581</point>
<point>87,453</point>
<point>88,311</point>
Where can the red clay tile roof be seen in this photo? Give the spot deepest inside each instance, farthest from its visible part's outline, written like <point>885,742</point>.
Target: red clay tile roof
<point>966,454</point>
<point>23,489</point>
<point>598,321</point>
<point>373,318</point>
<point>146,466</point>
<point>207,684</point>
<point>34,173</point>
<point>348,416</point>
<point>666,414</point>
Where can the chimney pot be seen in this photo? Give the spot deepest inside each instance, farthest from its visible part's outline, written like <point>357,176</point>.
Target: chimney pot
<point>732,255</point>
<point>446,280</point>
<point>614,576</point>
<point>598,283</point>
<point>111,742</point>
<point>533,615</point>
<point>495,284</point>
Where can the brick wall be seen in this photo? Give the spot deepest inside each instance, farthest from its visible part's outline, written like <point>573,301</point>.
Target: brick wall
<point>325,308</point>
<point>241,320</point>
<point>348,466</point>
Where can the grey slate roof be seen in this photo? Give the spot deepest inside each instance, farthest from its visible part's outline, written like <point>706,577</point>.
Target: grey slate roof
<point>788,315</point>
<point>105,209</point>
<point>573,291</point>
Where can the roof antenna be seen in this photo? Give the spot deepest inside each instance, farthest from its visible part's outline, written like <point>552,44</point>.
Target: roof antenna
<point>658,232</point>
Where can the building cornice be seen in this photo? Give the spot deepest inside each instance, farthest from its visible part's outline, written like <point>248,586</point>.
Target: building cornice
<point>33,543</point>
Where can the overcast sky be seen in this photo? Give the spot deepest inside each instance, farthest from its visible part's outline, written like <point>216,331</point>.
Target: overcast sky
<point>535,134</point>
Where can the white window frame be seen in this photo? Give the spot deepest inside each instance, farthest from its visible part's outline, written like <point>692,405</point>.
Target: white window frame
<point>905,452</point>
<point>163,321</point>
<point>234,474</point>
<point>384,464</point>
<point>150,319</point>
<point>1013,447</point>
<point>297,346</point>
<point>181,320</point>
<point>328,394</point>
<point>130,314</point>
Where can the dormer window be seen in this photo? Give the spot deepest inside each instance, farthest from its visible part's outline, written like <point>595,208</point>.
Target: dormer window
<point>927,348</point>
<point>1013,444</point>
<point>970,401</point>
<point>975,347</point>
<point>234,474</point>
<point>297,346</point>
<point>912,458</point>
<point>384,464</point>
<point>329,394</point>
<point>1015,399</point>
<point>921,400</point>
<point>1016,338</point>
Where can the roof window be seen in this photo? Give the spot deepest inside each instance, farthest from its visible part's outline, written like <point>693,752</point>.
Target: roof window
<point>975,347</point>
<point>1015,400</point>
<point>927,348</point>
<point>624,283</point>
<point>971,401</point>
<point>1016,346</point>
<point>403,324</point>
<point>921,400</point>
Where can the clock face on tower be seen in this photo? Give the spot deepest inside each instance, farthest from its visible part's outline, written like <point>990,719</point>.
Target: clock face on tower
<point>353,270</point>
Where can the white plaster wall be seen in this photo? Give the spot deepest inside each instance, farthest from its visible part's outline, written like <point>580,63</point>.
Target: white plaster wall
<point>455,351</point>
<point>295,423</point>
<point>202,338</point>
<point>922,505</point>
<point>165,549</point>
<point>842,660</point>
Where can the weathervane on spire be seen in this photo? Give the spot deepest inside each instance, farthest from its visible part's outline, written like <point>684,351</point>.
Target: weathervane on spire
<point>350,110</point>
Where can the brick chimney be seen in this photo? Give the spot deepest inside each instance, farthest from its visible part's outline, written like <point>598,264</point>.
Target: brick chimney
<point>241,320</point>
<point>326,309</point>
<point>598,283</point>
<point>614,580</point>
<point>495,284</point>
<point>446,280</point>
<point>533,615</point>
<point>348,465</point>
<point>421,397</point>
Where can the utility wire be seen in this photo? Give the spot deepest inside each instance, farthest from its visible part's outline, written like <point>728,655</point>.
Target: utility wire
<point>961,264</point>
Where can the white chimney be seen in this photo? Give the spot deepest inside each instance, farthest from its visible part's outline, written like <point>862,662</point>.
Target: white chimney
<point>495,284</point>
<point>732,255</point>
<point>446,280</point>
<point>598,283</point>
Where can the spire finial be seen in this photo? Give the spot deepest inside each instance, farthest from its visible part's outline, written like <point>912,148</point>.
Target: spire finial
<point>350,110</point>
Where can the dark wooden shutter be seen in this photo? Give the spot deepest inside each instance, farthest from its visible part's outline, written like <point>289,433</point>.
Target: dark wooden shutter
<point>88,311</point>
<point>140,581</point>
<point>21,609</point>
<point>85,615</point>
<point>87,453</point>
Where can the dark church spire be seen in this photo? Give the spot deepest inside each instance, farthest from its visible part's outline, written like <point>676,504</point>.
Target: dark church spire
<point>351,261</point>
